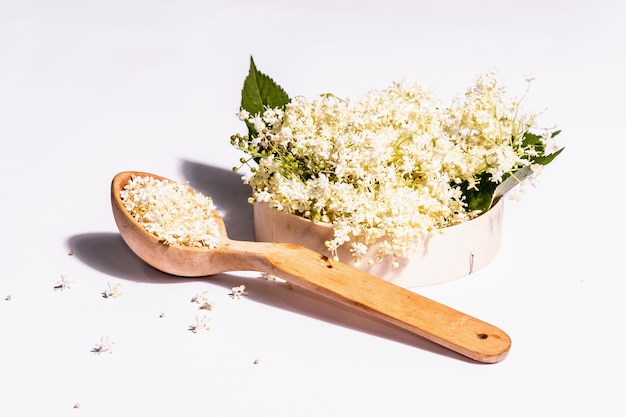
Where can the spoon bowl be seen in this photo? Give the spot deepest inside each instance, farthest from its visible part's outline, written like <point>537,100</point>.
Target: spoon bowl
<point>315,272</point>
<point>184,261</point>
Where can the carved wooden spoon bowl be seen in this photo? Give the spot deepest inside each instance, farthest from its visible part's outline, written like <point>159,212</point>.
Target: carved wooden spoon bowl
<point>422,316</point>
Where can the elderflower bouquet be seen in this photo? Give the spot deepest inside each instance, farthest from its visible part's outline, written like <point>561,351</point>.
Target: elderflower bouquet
<point>392,166</point>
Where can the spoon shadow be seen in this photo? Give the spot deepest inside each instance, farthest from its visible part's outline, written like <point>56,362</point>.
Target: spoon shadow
<point>229,194</point>
<point>109,254</point>
<point>296,300</point>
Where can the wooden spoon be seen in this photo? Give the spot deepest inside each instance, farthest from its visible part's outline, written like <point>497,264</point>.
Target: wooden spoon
<point>305,268</point>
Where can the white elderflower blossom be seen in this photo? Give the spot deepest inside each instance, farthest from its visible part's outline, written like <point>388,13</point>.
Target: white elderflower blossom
<point>201,323</point>
<point>238,292</point>
<point>113,291</point>
<point>63,284</point>
<point>243,115</point>
<point>203,300</point>
<point>172,211</point>
<point>391,167</point>
<point>104,346</point>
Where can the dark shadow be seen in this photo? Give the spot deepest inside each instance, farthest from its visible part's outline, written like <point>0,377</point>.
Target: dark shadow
<point>107,253</point>
<point>229,193</point>
<point>282,295</point>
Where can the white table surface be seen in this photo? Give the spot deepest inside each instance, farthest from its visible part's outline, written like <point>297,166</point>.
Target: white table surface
<point>88,89</point>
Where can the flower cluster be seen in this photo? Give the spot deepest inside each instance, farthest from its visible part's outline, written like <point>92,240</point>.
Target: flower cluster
<point>172,211</point>
<point>394,165</point>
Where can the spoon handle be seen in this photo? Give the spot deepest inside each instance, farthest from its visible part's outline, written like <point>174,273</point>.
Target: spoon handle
<point>427,318</point>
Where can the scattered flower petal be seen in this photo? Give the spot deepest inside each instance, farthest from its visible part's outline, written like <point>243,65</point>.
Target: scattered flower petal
<point>63,284</point>
<point>114,291</point>
<point>202,299</point>
<point>237,292</point>
<point>105,346</point>
<point>269,277</point>
<point>202,323</point>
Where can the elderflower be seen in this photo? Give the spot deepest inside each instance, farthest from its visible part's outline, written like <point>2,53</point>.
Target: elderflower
<point>172,211</point>
<point>202,323</point>
<point>203,300</point>
<point>105,346</point>
<point>392,166</point>
<point>237,292</point>
<point>114,291</point>
<point>63,284</point>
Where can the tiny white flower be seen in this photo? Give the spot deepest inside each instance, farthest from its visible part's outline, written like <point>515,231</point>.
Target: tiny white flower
<point>63,284</point>
<point>201,323</point>
<point>198,297</point>
<point>114,291</point>
<point>237,292</point>
<point>258,123</point>
<point>203,300</point>
<point>104,346</point>
<point>536,168</point>
<point>243,115</point>
<point>247,177</point>
<point>268,277</point>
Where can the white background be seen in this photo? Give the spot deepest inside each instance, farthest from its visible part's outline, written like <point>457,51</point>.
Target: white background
<point>88,89</point>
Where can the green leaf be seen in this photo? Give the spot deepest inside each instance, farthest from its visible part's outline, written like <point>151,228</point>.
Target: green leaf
<point>510,181</point>
<point>260,91</point>
<point>546,159</point>
<point>482,198</point>
<point>530,139</point>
